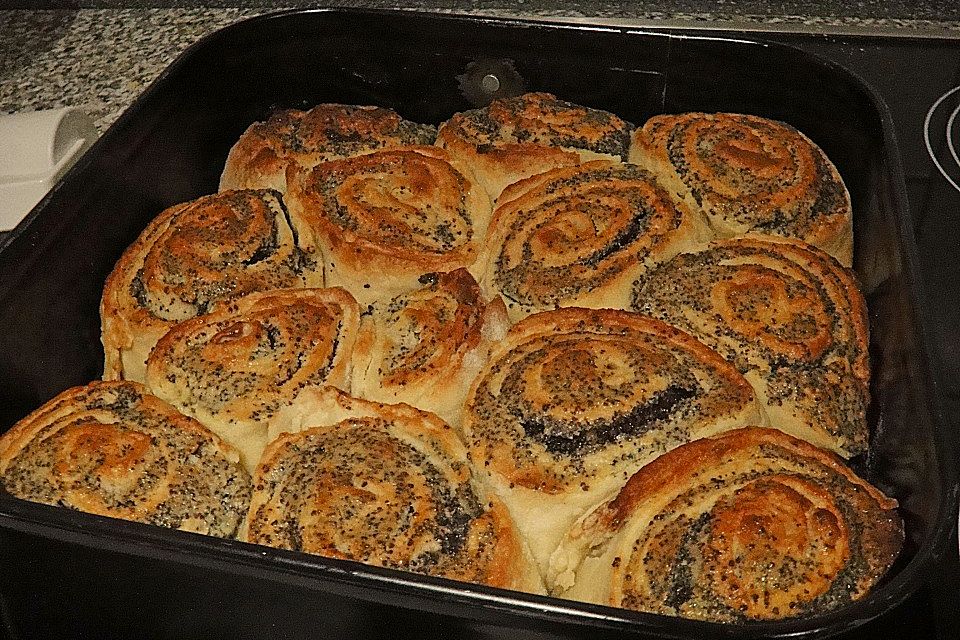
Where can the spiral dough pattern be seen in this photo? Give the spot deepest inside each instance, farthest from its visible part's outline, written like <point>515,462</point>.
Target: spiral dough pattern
<point>425,347</point>
<point>192,256</point>
<point>580,236</point>
<point>234,368</point>
<point>750,174</point>
<point>574,401</point>
<point>789,317</point>
<point>513,138</point>
<point>387,485</point>
<point>750,525</point>
<point>386,218</point>
<point>326,132</point>
<point>112,449</point>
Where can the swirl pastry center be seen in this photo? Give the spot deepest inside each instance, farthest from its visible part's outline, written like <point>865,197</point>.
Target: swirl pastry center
<point>385,517</point>
<point>771,546</point>
<point>779,314</point>
<point>749,152</point>
<point>102,450</point>
<point>604,373</point>
<point>402,200</point>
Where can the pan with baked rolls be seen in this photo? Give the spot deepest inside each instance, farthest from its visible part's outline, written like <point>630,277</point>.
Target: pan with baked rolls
<point>511,346</point>
<point>552,416</point>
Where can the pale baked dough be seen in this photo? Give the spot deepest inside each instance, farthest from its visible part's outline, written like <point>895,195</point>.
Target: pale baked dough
<point>574,401</point>
<point>425,347</point>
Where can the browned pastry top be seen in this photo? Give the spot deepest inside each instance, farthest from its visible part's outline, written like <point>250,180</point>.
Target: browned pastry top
<point>752,174</point>
<point>784,310</point>
<point>576,397</point>
<point>408,208</point>
<point>112,449</point>
<point>751,524</point>
<point>213,248</point>
<point>539,119</point>
<point>513,138</point>
<point>580,236</point>
<point>190,257</point>
<point>383,484</point>
<point>431,327</point>
<point>325,132</point>
<point>252,355</point>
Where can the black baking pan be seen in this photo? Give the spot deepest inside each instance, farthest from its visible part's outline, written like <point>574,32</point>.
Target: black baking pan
<point>65,574</point>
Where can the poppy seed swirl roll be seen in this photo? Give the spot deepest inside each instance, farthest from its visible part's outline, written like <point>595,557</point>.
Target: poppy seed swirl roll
<point>112,449</point>
<point>574,401</point>
<point>232,369</point>
<point>580,236</point>
<point>750,175</point>
<point>193,255</point>
<point>749,525</point>
<point>425,347</point>
<point>387,485</point>
<point>326,132</point>
<point>513,138</point>
<point>384,219</point>
<point>789,317</point>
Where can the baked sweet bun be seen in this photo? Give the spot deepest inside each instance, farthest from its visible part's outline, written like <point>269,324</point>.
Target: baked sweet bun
<point>513,138</point>
<point>326,132</point>
<point>387,485</point>
<point>193,255</point>
<point>749,525</point>
<point>789,317</point>
<point>112,449</point>
<point>386,218</point>
<point>574,401</point>
<point>750,174</point>
<point>580,236</point>
<point>233,368</point>
<point>425,347</point>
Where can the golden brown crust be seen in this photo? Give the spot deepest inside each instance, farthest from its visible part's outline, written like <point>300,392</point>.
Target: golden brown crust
<point>233,368</point>
<point>112,449</point>
<point>789,317</point>
<point>191,256</point>
<point>386,218</point>
<point>388,485</point>
<point>425,347</point>
<point>751,524</point>
<point>750,174</point>
<point>574,401</point>
<point>326,132</point>
<point>513,138</point>
<point>580,236</point>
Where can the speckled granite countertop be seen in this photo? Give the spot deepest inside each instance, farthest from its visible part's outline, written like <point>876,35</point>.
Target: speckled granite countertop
<point>101,58</point>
